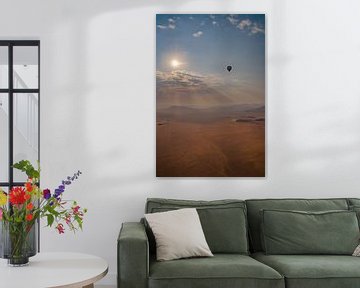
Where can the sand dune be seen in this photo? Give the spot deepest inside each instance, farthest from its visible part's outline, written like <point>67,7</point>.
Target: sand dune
<point>210,114</point>
<point>213,149</point>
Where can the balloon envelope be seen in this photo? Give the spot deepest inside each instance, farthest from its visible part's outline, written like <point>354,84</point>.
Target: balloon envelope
<point>229,68</point>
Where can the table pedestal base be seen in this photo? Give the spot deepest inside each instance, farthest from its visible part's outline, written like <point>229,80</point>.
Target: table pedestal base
<point>89,286</point>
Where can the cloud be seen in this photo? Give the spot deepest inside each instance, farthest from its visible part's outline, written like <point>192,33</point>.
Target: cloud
<point>179,79</point>
<point>250,27</point>
<point>187,88</point>
<point>182,79</point>
<point>233,20</point>
<point>170,25</point>
<point>198,34</point>
<point>256,29</point>
<point>244,24</point>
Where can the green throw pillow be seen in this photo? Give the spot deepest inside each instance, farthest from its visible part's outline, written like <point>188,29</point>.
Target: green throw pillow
<point>299,232</point>
<point>356,209</point>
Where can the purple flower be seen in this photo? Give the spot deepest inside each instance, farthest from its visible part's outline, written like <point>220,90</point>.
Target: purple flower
<point>46,194</point>
<point>64,183</point>
<point>58,192</point>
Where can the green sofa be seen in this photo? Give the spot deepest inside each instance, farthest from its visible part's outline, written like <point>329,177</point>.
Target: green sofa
<point>233,230</point>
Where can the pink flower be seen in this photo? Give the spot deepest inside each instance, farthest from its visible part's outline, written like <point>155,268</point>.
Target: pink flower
<point>1,212</point>
<point>60,228</point>
<point>76,209</point>
<point>68,219</point>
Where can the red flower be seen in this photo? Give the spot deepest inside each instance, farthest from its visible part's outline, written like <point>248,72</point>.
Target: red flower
<point>29,217</point>
<point>27,196</point>
<point>17,196</point>
<point>60,228</point>
<point>29,186</point>
<point>29,206</point>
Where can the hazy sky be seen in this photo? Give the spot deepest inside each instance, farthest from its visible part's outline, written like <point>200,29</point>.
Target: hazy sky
<point>193,51</point>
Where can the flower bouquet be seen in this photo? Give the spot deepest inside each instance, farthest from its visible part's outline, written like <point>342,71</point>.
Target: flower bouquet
<point>21,208</point>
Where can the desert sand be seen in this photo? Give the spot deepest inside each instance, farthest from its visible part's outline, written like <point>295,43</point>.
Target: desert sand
<point>223,148</point>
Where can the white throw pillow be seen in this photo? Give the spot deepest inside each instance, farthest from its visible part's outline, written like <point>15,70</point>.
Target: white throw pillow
<point>178,234</point>
<point>357,251</point>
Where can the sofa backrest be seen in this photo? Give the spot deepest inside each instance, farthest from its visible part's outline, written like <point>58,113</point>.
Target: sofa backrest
<point>256,205</point>
<point>223,221</point>
<point>353,202</point>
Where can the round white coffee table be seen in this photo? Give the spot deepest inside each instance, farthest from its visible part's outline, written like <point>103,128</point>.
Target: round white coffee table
<point>60,270</point>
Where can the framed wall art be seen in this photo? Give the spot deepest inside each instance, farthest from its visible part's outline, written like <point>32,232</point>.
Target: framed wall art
<point>210,95</point>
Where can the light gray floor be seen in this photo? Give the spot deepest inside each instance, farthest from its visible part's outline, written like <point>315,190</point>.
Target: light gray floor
<point>104,286</point>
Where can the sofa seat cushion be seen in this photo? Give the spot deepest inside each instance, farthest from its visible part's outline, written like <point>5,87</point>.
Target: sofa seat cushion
<point>313,271</point>
<point>222,270</point>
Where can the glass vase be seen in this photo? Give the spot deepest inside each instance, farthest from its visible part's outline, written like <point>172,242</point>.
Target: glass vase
<point>18,242</point>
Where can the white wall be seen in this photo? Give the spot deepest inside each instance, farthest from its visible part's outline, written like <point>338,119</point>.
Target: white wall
<point>98,105</point>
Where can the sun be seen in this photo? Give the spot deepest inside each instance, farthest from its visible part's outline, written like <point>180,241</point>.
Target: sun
<point>175,63</point>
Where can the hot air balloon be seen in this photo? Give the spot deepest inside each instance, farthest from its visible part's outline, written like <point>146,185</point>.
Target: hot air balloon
<point>229,68</point>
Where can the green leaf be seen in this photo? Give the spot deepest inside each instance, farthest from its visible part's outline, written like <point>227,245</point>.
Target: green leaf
<point>28,168</point>
<point>50,219</point>
<point>52,211</point>
<point>79,221</point>
<point>22,164</point>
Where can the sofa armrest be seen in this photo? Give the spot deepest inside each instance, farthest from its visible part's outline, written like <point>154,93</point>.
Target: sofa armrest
<point>133,256</point>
